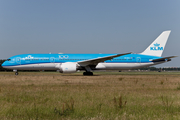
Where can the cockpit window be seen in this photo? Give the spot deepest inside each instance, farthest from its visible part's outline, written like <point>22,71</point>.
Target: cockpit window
<point>8,60</point>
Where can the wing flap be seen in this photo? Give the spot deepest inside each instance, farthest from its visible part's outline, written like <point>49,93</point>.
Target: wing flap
<point>95,61</point>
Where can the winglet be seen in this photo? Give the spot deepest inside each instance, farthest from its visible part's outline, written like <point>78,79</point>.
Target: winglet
<point>156,48</point>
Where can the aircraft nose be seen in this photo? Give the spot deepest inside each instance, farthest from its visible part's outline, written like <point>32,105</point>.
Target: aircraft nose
<point>4,63</point>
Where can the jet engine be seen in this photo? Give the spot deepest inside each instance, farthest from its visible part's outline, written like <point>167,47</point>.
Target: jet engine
<point>68,67</point>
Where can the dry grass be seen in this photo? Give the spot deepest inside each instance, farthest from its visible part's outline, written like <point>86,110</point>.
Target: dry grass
<point>103,96</point>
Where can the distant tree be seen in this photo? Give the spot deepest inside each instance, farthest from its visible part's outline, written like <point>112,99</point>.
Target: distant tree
<point>161,69</point>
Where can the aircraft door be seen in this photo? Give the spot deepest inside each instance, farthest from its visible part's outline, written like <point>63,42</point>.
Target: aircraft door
<point>52,59</point>
<point>18,60</point>
<point>138,60</point>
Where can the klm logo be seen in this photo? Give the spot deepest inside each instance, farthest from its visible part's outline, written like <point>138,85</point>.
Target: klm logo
<point>63,56</point>
<point>156,47</point>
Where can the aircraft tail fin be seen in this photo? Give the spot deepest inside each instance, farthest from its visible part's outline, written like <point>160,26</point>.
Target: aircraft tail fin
<point>156,48</point>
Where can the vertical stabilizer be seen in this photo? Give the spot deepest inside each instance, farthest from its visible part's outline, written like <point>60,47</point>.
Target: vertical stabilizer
<point>156,48</point>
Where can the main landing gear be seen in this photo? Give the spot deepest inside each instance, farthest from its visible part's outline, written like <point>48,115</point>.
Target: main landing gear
<point>88,73</point>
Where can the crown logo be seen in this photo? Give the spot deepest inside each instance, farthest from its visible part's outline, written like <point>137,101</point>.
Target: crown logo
<point>29,57</point>
<point>156,44</point>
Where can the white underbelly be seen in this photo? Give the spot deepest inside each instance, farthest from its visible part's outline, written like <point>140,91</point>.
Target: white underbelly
<point>44,66</point>
<point>121,66</point>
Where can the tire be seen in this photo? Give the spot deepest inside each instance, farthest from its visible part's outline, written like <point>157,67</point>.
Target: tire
<point>88,73</point>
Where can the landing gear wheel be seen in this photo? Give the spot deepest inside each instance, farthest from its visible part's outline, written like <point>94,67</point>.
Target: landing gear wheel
<point>88,73</point>
<point>16,73</point>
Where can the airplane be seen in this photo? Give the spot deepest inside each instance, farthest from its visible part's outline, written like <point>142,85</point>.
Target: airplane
<point>71,63</point>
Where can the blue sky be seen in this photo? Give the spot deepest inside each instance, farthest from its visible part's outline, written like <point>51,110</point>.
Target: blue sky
<point>81,26</point>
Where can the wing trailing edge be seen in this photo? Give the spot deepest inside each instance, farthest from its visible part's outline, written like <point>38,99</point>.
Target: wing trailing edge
<point>95,61</point>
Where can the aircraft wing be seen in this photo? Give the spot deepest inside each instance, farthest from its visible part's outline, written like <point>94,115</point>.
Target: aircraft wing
<point>95,61</point>
<point>163,59</point>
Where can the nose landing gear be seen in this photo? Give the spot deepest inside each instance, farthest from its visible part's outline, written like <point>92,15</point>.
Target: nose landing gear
<point>16,72</point>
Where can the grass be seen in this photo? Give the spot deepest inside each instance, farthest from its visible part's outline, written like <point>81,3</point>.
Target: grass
<point>107,95</point>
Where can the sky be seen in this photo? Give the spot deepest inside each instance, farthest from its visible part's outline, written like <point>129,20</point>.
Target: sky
<point>88,26</point>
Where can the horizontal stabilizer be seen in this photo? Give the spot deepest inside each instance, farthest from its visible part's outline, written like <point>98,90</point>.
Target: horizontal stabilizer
<point>163,59</point>
<point>95,61</point>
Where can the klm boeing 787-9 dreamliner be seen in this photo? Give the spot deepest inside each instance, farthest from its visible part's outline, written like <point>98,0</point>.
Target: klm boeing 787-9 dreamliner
<point>70,63</point>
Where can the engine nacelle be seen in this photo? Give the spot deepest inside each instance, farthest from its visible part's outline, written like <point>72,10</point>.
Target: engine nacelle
<point>68,67</point>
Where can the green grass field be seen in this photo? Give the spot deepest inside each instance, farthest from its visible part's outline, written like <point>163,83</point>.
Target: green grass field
<point>106,95</point>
